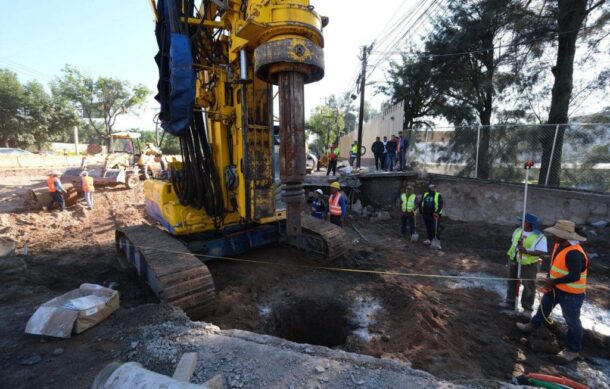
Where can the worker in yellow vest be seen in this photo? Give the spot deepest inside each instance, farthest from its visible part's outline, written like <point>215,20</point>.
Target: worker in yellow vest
<point>88,188</point>
<point>337,204</point>
<point>526,247</point>
<point>353,153</point>
<point>566,286</point>
<point>408,207</point>
<point>56,190</point>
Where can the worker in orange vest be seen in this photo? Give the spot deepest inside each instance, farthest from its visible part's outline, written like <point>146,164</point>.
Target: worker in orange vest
<point>88,188</point>
<point>566,286</point>
<point>333,155</point>
<point>56,191</point>
<point>337,204</point>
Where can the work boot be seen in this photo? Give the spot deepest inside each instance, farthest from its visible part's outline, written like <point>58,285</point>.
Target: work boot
<point>525,315</point>
<point>525,327</point>
<point>566,356</point>
<point>427,241</point>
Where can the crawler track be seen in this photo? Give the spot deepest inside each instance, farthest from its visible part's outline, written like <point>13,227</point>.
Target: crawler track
<point>324,238</point>
<point>174,274</point>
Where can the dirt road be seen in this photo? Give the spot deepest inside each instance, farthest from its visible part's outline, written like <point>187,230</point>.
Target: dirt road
<point>452,328</point>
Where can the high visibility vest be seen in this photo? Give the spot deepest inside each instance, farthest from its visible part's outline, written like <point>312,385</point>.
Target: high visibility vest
<point>529,243</point>
<point>408,204</point>
<point>436,196</point>
<point>355,149</point>
<point>51,184</point>
<point>333,204</point>
<point>87,183</point>
<point>560,269</point>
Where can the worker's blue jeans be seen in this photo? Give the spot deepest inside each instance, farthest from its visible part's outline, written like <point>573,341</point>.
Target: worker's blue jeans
<point>57,197</point>
<point>570,306</point>
<point>389,162</point>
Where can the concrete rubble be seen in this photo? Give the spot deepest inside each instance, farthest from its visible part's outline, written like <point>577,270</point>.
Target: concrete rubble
<point>250,360</point>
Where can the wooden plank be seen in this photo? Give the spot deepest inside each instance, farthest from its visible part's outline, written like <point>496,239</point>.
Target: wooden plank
<point>186,367</point>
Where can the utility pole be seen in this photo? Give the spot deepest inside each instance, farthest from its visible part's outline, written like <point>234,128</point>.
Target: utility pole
<point>365,51</point>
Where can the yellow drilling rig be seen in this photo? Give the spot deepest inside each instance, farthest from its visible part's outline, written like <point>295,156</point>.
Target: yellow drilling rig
<point>218,61</point>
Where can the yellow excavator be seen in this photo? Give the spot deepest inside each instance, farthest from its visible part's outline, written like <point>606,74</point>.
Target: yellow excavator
<point>218,62</point>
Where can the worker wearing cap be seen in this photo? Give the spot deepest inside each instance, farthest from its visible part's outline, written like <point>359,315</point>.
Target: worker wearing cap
<point>527,246</point>
<point>408,207</point>
<point>337,205</point>
<point>88,188</point>
<point>56,190</point>
<point>431,209</point>
<point>318,208</point>
<point>566,286</point>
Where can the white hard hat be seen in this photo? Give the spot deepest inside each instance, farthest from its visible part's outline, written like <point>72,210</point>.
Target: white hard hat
<point>319,191</point>
<point>84,173</point>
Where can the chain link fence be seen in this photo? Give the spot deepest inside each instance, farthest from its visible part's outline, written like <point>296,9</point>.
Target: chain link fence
<point>575,155</point>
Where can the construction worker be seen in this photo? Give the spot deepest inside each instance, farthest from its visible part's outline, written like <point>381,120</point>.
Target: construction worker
<point>56,190</point>
<point>378,148</point>
<point>318,208</point>
<point>385,153</point>
<point>566,286</point>
<point>333,156</point>
<point>88,188</point>
<point>431,209</point>
<point>403,143</point>
<point>337,205</point>
<point>353,153</point>
<point>408,207</point>
<point>391,148</point>
<point>526,247</point>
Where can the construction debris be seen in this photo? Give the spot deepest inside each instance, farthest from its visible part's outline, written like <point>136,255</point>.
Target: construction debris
<point>73,312</point>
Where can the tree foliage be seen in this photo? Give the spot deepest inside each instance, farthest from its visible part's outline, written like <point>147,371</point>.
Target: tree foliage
<point>101,100</point>
<point>29,116</point>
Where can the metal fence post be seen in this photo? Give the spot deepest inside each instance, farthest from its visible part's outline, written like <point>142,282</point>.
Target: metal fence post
<point>476,162</point>
<point>548,170</point>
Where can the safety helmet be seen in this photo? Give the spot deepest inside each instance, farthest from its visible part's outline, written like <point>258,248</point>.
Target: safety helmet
<point>335,185</point>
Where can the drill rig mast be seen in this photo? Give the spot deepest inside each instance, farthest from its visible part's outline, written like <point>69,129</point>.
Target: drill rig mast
<point>218,61</point>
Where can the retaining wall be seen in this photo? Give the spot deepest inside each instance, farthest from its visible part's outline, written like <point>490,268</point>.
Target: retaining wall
<point>474,200</point>
<point>501,203</point>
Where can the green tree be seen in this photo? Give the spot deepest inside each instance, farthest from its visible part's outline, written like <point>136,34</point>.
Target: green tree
<point>468,70</point>
<point>567,19</point>
<point>411,81</point>
<point>101,100</point>
<point>11,101</point>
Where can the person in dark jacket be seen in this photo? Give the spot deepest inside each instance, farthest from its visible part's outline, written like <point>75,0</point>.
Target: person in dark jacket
<point>318,208</point>
<point>431,209</point>
<point>377,149</point>
<point>566,286</point>
<point>391,148</point>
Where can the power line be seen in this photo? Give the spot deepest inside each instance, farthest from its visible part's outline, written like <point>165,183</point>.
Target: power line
<point>485,50</point>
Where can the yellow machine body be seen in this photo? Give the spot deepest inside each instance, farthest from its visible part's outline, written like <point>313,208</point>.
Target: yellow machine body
<point>267,32</point>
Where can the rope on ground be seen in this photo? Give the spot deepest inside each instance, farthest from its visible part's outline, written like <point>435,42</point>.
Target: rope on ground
<point>337,269</point>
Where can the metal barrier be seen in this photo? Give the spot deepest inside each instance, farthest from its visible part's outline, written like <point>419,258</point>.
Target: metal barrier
<point>575,155</point>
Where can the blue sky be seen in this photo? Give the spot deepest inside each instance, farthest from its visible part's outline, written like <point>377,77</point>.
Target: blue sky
<point>111,38</point>
<point>116,38</point>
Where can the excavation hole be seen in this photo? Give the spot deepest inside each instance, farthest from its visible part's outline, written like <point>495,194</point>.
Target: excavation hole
<point>320,321</point>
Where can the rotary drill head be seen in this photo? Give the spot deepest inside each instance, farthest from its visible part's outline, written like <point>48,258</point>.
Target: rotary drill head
<point>290,56</point>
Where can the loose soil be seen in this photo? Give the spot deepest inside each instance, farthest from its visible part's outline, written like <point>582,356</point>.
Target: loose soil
<point>453,331</point>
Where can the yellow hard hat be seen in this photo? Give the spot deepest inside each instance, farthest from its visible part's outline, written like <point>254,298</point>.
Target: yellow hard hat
<point>335,185</point>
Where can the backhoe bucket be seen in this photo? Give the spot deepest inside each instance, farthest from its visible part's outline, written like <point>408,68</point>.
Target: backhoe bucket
<point>40,197</point>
